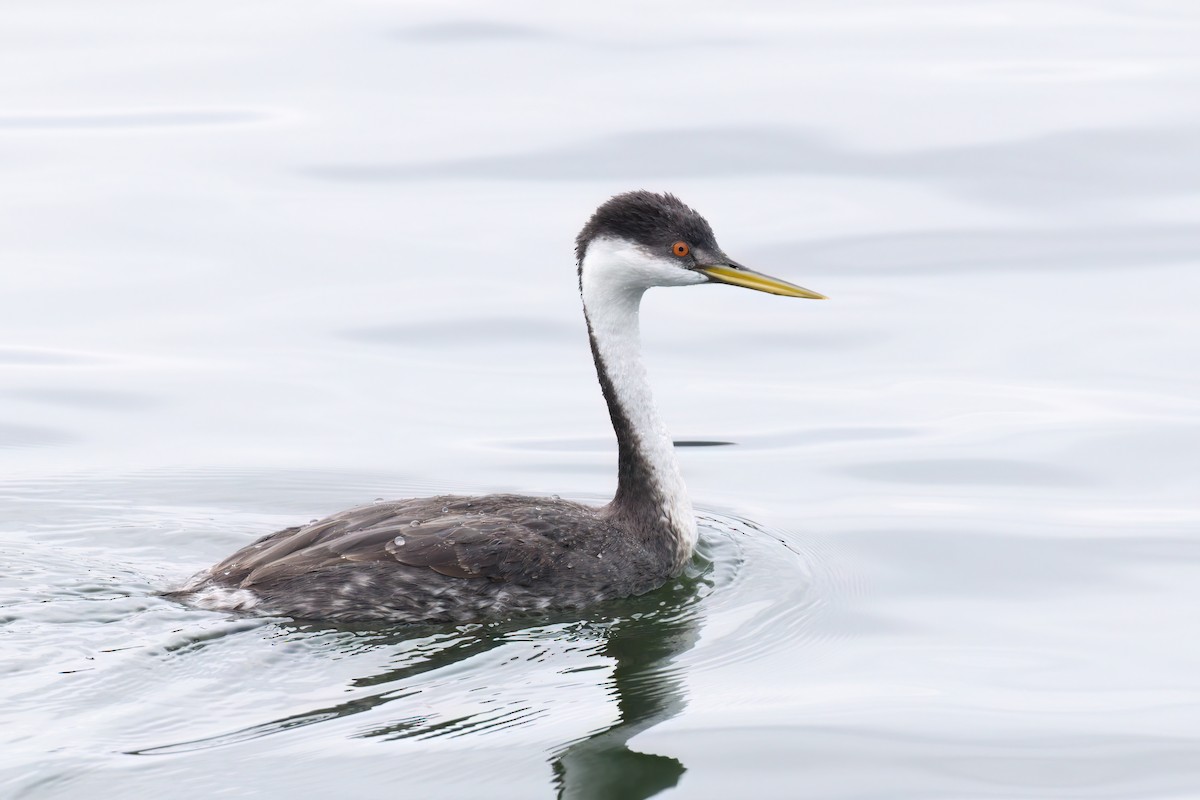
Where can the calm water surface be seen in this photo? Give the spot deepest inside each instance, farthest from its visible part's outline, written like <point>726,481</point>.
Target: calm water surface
<point>262,262</point>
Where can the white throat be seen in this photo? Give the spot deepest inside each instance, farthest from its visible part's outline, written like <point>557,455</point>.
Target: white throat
<point>614,276</point>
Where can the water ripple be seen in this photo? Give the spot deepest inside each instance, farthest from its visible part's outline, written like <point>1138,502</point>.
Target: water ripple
<point>1145,161</point>
<point>726,608</point>
<point>122,120</point>
<point>18,436</point>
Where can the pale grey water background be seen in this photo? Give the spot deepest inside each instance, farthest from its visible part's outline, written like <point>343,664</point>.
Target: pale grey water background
<point>263,261</point>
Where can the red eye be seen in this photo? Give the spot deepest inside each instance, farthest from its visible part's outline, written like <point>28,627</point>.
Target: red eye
<point>680,249</point>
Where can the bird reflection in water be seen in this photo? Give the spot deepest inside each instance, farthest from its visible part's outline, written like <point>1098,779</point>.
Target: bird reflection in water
<point>640,638</point>
<point>649,690</point>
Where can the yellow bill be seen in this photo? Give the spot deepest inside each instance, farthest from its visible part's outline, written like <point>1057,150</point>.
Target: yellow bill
<point>738,276</point>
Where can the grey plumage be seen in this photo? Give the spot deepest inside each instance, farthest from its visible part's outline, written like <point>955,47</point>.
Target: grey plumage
<point>465,558</point>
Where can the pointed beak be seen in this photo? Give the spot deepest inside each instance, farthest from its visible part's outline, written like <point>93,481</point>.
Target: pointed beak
<point>735,274</point>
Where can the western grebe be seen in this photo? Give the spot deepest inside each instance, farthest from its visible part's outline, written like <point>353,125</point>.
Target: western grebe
<point>456,558</point>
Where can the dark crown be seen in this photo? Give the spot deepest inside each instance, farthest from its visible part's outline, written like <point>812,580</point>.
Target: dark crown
<point>649,219</point>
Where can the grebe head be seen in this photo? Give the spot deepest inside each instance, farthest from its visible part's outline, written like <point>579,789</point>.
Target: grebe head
<point>641,239</point>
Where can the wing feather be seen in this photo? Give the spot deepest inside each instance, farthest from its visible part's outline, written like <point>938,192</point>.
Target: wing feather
<point>518,546</point>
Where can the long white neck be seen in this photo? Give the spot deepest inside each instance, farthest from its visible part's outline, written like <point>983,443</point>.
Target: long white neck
<point>650,488</point>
